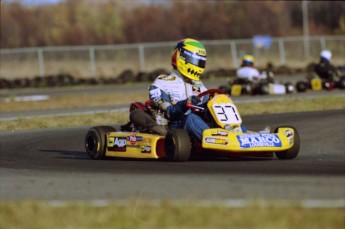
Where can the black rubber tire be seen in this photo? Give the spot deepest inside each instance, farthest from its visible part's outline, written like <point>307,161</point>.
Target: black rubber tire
<point>177,145</point>
<point>264,89</point>
<point>225,88</point>
<point>95,141</point>
<point>289,88</point>
<point>301,86</point>
<point>292,152</point>
<point>341,82</point>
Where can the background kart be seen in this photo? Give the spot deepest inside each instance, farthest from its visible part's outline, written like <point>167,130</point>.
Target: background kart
<point>315,83</point>
<point>268,86</point>
<point>224,138</point>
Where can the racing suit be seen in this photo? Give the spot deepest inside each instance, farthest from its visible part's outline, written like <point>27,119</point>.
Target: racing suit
<point>249,73</point>
<point>325,70</point>
<point>170,94</point>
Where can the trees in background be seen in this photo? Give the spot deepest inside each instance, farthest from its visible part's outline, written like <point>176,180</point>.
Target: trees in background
<point>86,22</point>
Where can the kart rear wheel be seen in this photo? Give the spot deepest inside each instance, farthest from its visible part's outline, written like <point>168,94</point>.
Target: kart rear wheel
<point>292,152</point>
<point>177,145</point>
<point>289,88</point>
<point>95,141</point>
<point>341,83</point>
<point>301,86</point>
<point>264,89</point>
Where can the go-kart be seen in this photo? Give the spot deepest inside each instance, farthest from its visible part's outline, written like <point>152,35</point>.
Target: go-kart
<point>225,137</point>
<point>267,86</point>
<point>316,83</point>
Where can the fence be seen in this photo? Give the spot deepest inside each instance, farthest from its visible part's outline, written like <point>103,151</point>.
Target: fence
<point>111,60</point>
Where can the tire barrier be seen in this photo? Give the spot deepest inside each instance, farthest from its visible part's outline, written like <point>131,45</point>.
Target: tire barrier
<point>127,76</point>
<point>62,80</point>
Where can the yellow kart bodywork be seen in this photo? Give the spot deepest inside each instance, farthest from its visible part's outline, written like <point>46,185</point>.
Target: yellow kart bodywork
<point>227,138</point>
<point>239,142</point>
<point>134,145</point>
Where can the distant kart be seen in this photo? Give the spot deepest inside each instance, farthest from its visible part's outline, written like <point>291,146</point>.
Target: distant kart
<point>316,84</point>
<point>267,86</point>
<point>224,138</point>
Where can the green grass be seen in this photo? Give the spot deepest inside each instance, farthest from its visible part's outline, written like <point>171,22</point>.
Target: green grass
<point>68,101</point>
<point>136,215</point>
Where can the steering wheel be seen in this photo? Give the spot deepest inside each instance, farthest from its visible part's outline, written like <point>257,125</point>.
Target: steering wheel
<point>211,93</point>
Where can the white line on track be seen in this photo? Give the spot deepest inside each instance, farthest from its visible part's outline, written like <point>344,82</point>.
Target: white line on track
<point>230,203</point>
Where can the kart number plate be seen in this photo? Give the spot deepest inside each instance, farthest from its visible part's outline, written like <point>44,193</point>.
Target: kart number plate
<point>227,113</point>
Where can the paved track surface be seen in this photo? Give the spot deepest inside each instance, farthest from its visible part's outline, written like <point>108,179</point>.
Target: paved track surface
<point>52,165</point>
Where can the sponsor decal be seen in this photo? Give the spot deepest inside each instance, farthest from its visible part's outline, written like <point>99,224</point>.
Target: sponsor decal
<point>219,133</point>
<point>167,78</point>
<point>146,149</point>
<point>196,89</point>
<point>288,133</point>
<point>216,141</point>
<point>120,144</point>
<point>259,140</point>
<point>133,139</point>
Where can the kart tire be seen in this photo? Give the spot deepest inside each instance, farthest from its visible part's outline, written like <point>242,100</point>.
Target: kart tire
<point>177,145</point>
<point>292,152</point>
<point>95,141</point>
<point>301,86</point>
<point>225,88</point>
<point>341,83</point>
<point>289,88</point>
<point>264,89</point>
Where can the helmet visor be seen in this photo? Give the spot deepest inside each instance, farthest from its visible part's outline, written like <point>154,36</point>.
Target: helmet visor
<point>193,58</point>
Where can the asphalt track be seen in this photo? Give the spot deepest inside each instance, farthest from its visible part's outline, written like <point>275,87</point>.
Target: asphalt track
<point>52,164</point>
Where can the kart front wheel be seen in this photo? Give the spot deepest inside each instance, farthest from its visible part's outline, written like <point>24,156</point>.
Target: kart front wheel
<point>95,141</point>
<point>177,145</point>
<point>292,152</point>
<point>225,88</point>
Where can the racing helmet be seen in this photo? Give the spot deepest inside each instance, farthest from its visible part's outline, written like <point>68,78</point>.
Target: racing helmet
<point>189,58</point>
<point>247,60</point>
<point>326,55</point>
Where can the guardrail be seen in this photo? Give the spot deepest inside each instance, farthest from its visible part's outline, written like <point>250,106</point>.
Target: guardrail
<point>104,61</point>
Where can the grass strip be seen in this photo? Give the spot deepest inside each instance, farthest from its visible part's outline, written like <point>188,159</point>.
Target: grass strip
<point>34,214</point>
<point>289,105</point>
<point>75,101</point>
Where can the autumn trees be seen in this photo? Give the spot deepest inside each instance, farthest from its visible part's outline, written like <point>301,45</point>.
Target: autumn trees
<point>85,22</point>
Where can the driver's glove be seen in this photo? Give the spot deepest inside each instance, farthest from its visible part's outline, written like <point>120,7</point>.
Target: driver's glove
<point>193,100</point>
<point>178,110</point>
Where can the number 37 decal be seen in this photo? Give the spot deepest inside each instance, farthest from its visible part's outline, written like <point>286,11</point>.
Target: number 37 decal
<point>227,113</point>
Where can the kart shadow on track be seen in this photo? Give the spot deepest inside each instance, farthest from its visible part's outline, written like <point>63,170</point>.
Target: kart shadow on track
<point>66,154</point>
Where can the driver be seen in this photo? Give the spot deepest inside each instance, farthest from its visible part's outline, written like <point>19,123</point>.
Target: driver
<point>247,70</point>
<point>324,69</point>
<point>171,93</point>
